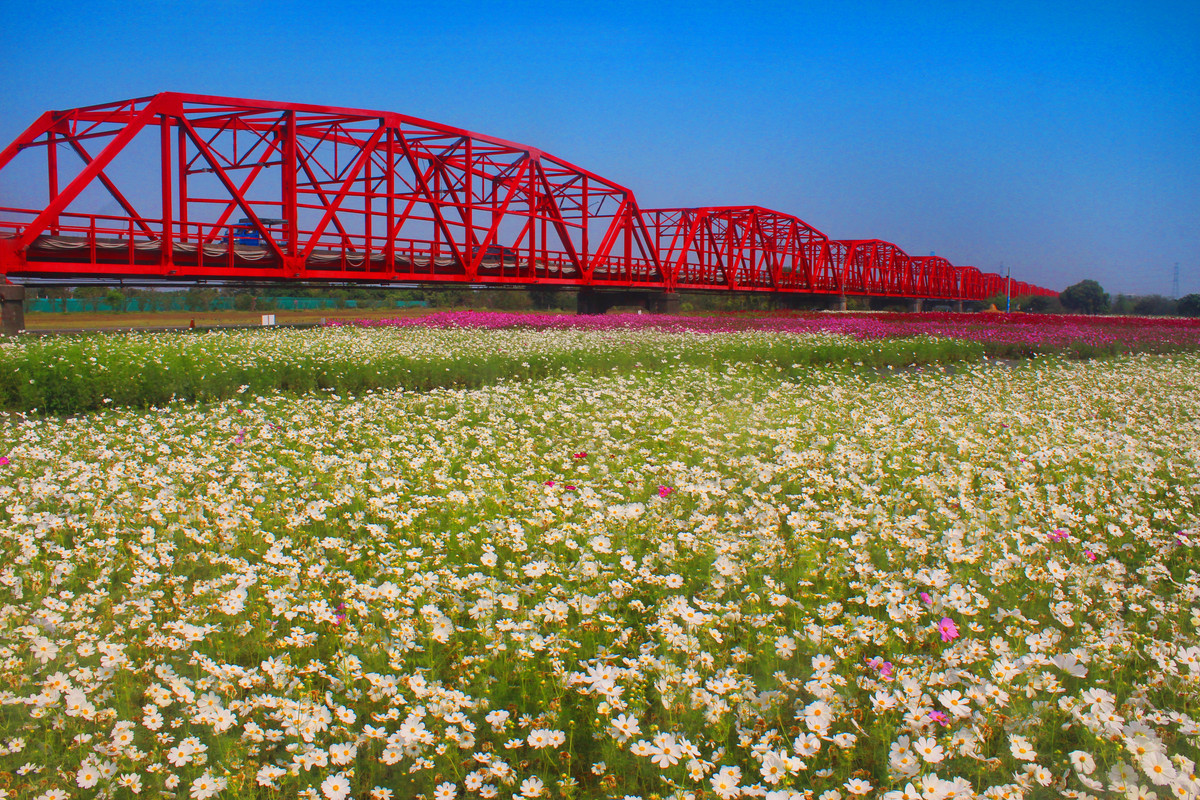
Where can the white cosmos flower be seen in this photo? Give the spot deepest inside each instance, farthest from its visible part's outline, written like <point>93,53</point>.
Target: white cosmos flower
<point>625,726</point>
<point>929,750</point>
<point>1021,748</point>
<point>1158,768</point>
<point>1083,762</point>
<point>335,787</point>
<point>532,787</point>
<point>785,646</point>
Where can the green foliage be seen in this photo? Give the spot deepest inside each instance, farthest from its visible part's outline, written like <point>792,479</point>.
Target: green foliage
<point>725,301</point>
<point>199,298</point>
<point>998,300</point>
<point>1039,304</point>
<point>78,373</point>
<point>1154,305</point>
<point>115,299</point>
<point>1189,305</point>
<point>1085,297</point>
<point>1122,304</point>
<point>548,299</point>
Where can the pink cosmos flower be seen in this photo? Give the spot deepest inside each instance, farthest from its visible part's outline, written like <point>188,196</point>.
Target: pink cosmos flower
<point>939,718</point>
<point>948,629</point>
<point>1090,555</point>
<point>549,483</point>
<point>3,460</point>
<point>1058,535</point>
<point>884,668</point>
<point>663,491</point>
<point>569,488</point>
<point>580,455</point>
<point>926,599</point>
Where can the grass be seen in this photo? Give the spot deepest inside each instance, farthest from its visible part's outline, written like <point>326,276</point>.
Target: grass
<point>72,374</point>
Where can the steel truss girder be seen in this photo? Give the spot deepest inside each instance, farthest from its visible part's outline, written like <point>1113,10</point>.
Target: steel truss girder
<point>326,193</point>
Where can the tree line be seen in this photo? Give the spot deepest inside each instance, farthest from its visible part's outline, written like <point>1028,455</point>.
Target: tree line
<point>1089,297</point>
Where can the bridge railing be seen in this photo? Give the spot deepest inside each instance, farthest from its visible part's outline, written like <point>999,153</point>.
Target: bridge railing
<point>118,246</point>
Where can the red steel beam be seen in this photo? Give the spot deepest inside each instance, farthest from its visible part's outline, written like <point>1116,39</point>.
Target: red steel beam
<point>369,195</point>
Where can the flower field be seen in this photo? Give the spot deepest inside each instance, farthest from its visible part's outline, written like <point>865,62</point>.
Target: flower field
<point>460,349</point>
<point>69,374</point>
<point>598,564</point>
<point>1001,334</point>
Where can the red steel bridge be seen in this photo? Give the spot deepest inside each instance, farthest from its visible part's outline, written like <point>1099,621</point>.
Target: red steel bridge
<point>179,187</point>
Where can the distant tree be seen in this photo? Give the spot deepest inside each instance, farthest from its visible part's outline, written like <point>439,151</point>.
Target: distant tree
<point>1085,297</point>
<point>449,298</point>
<point>1123,304</point>
<point>508,300</point>
<point>115,299</point>
<point>405,295</point>
<point>1189,305</point>
<point>1041,304</point>
<point>997,300</point>
<point>543,299</point>
<point>58,297</point>
<point>90,296</point>
<point>151,300</point>
<point>198,298</point>
<point>1020,302</point>
<point>1154,305</point>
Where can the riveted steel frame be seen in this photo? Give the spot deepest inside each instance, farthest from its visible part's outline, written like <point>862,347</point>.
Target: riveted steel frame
<point>253,190</point>
<point>742,248</point>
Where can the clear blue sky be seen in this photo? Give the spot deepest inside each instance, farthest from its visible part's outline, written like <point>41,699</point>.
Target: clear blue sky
<point>1063,141</point>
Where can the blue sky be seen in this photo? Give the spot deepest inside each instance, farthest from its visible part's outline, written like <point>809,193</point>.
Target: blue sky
<point>1062,141</point>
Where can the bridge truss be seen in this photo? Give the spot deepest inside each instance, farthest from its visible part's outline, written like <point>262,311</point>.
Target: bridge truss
<point>177,187</point>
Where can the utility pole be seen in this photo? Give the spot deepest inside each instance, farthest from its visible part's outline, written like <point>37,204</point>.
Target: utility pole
<point>1007,289</point>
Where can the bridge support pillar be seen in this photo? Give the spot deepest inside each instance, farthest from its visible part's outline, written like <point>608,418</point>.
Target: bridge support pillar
<point>958,306</point>
<point>12,309</point>
<point>839,303</point>
<point>916,304</point>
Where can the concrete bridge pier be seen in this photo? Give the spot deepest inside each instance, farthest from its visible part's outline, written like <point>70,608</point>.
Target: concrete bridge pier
<point>12,309</point>
<point>958,306</point>
<point>839,303</point>
<point>916,304</point>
